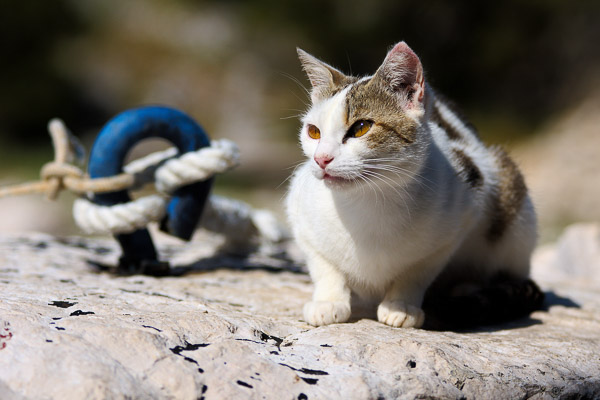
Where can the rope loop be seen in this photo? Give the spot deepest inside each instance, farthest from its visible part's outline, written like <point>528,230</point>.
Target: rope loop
<point>198,165</point>
<point>165,169</point>
<point>172,173</point>
<point>120,218</point>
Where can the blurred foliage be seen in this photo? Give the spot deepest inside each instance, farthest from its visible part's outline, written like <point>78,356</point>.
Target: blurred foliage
<point>517,59</point>
<point>524,58</point>
<point>31,89</point>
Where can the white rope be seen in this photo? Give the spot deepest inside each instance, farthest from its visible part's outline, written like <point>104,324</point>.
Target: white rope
<point>173,173</point>
<point>268,226</point>
<point>147,165</point>
<point>238,220</point>
<point>120,218</point>
<point>196,166</point>
<point>241,225</point>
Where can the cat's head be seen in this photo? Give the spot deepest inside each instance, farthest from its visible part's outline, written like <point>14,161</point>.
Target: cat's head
<point>360,131</point>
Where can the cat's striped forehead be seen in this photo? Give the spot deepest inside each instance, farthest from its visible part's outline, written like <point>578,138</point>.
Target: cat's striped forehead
<point>369,99</point>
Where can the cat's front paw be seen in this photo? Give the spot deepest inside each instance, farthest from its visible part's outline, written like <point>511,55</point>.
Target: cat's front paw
<point>399,314</point>
<point>319,313</point>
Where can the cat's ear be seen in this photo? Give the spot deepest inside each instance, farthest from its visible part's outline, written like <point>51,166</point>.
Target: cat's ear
<point>403,73</point>
<point>324,78</point>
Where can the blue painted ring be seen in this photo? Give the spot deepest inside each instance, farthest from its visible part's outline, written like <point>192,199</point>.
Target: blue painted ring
<point>107,157</point>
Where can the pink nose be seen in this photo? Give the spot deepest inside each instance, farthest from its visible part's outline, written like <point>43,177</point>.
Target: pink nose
<point>323,160</point>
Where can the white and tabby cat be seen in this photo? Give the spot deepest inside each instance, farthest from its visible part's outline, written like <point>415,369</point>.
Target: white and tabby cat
<point>397,191</point>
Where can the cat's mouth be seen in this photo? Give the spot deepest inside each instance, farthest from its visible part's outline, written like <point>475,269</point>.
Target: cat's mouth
<point>336,181</point>
<point>333,180</point>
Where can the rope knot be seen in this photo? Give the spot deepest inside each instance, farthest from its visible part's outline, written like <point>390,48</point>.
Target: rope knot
<point>243,227</point>
<point>58,175</point>
<point>58,170</point>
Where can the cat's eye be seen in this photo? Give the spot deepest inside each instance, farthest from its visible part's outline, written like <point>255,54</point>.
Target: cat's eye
<point>359,128</point>
<point>314,132</point>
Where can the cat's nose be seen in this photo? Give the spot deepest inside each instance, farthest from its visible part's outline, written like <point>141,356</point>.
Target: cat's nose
<point>323,160</point>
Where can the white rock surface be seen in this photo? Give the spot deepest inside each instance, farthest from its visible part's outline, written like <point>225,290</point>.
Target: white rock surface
<point>232,328</point>
<point>576,256</point>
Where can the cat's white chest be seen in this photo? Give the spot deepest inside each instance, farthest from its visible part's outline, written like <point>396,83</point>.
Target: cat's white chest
<point>367,237</point>
<point>313,214</point>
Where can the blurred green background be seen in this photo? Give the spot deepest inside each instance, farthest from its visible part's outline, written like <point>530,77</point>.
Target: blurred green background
<point>515,67</point>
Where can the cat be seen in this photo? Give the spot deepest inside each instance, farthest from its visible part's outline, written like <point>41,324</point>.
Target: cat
<point>399,195</point>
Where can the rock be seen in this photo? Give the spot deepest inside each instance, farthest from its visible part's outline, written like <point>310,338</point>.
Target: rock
<point>232,328</point>
<point>35,213</point>
<point>576,256</point>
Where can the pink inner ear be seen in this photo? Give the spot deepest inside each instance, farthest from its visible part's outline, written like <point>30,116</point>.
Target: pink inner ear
<point>403,70</point>
<point>402,50</point>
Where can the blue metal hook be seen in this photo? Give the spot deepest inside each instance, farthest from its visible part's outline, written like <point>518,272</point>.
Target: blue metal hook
<point>184,210</point>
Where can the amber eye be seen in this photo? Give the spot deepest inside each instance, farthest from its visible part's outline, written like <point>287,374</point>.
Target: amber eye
<point>314,132</point>
<point>359,128</point>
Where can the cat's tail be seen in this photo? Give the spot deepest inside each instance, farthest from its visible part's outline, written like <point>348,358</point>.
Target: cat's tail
<point>502,300</point>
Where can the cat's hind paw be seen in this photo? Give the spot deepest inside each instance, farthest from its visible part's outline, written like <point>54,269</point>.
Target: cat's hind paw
<point>399,314</point>
<point>319,313</point>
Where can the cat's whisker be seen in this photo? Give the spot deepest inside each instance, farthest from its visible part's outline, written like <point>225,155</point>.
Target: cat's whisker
<point>388,181</point>
<point>295,165</point>
<point>295,116</point>
<point>395,188</point>
<point>297,82</point>
<point>306,101</point>
<point>401,172</point>
<point>374,188</point>
<point>290,176</point>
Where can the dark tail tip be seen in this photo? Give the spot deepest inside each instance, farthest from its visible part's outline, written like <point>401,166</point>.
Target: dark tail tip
<point>502,300</point>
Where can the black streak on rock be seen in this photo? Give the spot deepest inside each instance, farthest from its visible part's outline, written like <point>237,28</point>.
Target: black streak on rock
<point>58,328</point>
<point>164,295</point>
<point>306,370</point>
<point>77,313</point>
<point>249,340</point>
<point>264,337</point>
<point>188,359</point>
<point>313,371</point>
<point>101,250</point>
<point>302,396</point>
<point>242,383</point>
<point>310,381</point>
<point>188,347</point>
<point>151,327</point>
<point>62,304</point>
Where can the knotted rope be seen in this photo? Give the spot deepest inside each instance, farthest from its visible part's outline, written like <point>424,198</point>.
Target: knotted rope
<point>167,171</point>
<point>59,175</point>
